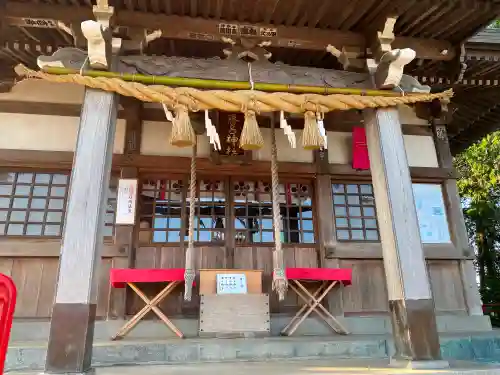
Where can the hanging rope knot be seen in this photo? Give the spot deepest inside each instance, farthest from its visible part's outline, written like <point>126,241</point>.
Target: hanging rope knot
<point>189,276</point>
<point>251,136</point>
<point>182,132</point>
<point>193,104</point>
<point>189,273</point>
<point>312,139</point>
<point>280,283</point>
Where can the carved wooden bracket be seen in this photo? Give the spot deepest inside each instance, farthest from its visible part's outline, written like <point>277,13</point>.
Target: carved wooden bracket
<point>389,63</point>
<point>249,50</point>
<point>458,65</point>
<point>390,67</point>
<point>384,38</point>
<point>139,40</point>
<point>440,112</point>
<point>348,57</point>
<point>98,35</point>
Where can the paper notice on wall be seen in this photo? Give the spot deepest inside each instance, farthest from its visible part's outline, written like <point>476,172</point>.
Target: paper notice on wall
<point>431,213</point>
<point>126,201</point>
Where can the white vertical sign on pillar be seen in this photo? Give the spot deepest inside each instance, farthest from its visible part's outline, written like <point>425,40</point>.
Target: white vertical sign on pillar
<point>126,201</point>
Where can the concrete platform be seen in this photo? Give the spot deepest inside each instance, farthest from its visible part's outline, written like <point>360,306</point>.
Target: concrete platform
<point>483,348</point>
<point>311,367</point>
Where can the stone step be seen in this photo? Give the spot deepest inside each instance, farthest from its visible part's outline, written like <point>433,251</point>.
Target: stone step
<point>31,355</point>
<point>295,367</point>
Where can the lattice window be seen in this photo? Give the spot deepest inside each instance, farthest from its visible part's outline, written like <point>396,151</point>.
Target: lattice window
<point>161,210</point>
<point>253,214</point>
<point>210,214</point>
<point>32,204</point>
<point>354,211</point>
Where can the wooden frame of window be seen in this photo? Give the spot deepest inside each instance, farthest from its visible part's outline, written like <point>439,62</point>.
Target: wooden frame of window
<point>354,212</point>
<point>373,250</point>
<point>183,192</point>
<point>34,193</point>
<point>303,226</point>
<point>33,204</point>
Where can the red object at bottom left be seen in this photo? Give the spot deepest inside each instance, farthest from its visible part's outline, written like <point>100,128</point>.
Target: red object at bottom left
<point>8,296</point>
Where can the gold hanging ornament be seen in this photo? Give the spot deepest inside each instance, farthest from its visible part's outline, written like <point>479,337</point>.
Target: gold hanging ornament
<point>251,136</point>
<point>311,136</point>
<point>183,134</point>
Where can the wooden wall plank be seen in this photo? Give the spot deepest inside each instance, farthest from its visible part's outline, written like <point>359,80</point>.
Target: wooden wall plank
<point>6,266</point>
<point>368,292</point>
<point>35,280</point>
<point>27,276</point>
<point>446,285</point>
<point>103,288</point>
<point>47,288</point>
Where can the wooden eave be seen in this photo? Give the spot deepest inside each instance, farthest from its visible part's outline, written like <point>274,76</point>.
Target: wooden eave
<point>453,22</point>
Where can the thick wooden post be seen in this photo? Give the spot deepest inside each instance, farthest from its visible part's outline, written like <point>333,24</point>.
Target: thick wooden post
<point>411,305</point>
<point>457,224</point>
<point>72,325</point>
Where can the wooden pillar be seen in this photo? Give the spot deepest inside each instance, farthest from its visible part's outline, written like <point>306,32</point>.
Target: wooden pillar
<point>73,316</point>
<point>457,224</point>
<point>410,302</point>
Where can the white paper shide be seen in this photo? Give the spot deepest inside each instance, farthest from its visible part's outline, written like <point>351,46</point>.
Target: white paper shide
<point>126,201</point>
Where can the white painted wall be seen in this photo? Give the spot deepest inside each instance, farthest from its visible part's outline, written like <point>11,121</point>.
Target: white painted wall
<point>46,133</point>
<point>45,92</point>
<point>38,132</point>
<point>155,141</point>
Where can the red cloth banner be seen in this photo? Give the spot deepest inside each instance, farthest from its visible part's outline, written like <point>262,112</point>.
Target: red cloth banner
<point>8,295</point>
<point>360,158</point>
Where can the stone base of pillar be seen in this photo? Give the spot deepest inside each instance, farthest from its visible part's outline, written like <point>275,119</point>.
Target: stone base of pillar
<point>414,365</point>
<point>70,339</point>
<point>415,329</point>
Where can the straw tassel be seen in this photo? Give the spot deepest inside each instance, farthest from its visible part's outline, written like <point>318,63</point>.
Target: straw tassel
<point>251,137</point>
<point>311,137</point>
<point>182,132</point>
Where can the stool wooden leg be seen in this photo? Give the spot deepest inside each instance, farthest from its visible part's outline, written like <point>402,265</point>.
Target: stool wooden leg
<point>311,301</point>
<point>156,309</point>
<point>284,331</point>
<point>128,326</point>
<point>321,310</point>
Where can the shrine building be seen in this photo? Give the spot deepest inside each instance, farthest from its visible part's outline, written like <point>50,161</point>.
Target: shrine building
<point>179,172</point>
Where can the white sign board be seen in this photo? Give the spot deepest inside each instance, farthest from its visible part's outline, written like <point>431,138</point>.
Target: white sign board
<point>126,201</point>
<point>431,213</point>
<point>42,23</point>
<point>231,283</point>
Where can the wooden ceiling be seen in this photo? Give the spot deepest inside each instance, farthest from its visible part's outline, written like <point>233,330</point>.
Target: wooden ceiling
<point>452,21</point>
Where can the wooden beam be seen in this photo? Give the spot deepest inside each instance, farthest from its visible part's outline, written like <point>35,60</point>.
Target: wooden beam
<point>410,301</point>
<point>177,27</point>
<point>62,160</point>
<point>337,121</point>
<point>42,247</point>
